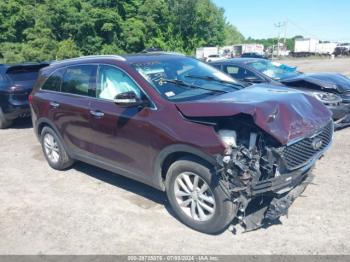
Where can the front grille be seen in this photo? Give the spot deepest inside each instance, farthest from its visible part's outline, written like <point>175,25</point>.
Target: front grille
<point>301,152</point>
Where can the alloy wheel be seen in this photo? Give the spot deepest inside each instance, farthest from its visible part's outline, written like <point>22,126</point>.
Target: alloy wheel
<point>51,148</point>
<point>194,196</point>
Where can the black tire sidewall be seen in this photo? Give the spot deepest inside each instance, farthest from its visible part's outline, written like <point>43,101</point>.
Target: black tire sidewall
<point>225,210</point>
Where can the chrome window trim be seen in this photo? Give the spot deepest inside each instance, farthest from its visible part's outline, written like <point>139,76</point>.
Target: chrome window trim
<point>152,106</point>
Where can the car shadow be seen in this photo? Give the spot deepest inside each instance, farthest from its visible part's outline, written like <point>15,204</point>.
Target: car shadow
<point>22,123</point>
<point>149,193</point>
<point>138,188</point>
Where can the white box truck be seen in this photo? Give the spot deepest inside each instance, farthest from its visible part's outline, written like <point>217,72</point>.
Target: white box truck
<point>203,53</point>
<point>239,50</point>
<point>305,47</point>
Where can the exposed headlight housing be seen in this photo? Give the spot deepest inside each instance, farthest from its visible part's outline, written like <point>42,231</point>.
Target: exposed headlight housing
<point>329,85</point>
<point>327,98</point>
<point>228,137</point>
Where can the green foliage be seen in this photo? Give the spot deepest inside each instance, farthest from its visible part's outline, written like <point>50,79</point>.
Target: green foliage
<point>35,30</point>
<point>67,49</point>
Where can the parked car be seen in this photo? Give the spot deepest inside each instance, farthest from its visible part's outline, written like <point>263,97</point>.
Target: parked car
<point>342,50</point>
<point>212,58</point>
<point>16,83</point>
<point>184,127</point>
<point>254,55</point>
<point>332,89</point>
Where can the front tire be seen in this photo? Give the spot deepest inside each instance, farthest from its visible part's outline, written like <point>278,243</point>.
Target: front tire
<point>54,150</point>
<point>197,198</point>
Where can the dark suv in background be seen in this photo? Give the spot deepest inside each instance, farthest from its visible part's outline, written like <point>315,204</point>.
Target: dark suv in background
<point>184,127</point>
<point>16,83</point>
<point>332,89</point>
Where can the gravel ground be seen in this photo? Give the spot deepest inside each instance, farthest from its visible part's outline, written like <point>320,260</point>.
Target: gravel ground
<point>341,65</point>
<point>86,210</point>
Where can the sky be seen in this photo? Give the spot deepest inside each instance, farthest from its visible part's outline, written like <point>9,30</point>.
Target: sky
<point>327,20</point>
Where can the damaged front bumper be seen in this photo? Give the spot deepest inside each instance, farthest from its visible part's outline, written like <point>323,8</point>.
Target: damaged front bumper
<point>261,200</point>
<point>264,212</point>
<point>282,183</point>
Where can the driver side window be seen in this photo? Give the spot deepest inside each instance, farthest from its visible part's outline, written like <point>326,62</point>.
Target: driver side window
<point>113,81</point>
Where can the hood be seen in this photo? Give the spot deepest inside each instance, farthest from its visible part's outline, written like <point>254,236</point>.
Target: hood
<point>283,113</point>
<point>332,82</point>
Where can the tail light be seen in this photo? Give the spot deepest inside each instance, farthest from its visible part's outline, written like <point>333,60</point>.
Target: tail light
<point>30,99</point>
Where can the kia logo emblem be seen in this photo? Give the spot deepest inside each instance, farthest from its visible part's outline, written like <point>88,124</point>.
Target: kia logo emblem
<point>317,143</point>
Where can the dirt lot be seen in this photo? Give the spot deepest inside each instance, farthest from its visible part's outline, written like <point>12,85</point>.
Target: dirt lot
<point>87,210</point>
<point>341,65</point>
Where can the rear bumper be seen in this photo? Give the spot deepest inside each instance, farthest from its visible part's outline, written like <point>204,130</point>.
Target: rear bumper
<point>17,113</point>
<point>13,108</point>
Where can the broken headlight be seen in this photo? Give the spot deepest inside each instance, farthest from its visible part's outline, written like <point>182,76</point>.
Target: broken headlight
<point>327,98</point>
<point>228,137</point>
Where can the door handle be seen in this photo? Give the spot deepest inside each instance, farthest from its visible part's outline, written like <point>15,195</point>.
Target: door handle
<point>97,114</point>
<point>54,104</point>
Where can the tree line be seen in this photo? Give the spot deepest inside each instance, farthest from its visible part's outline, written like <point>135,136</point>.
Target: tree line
<point>42,30</point>
<point>267,42</point>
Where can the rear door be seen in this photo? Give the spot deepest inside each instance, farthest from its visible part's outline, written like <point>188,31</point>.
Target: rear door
<point>70,108</point>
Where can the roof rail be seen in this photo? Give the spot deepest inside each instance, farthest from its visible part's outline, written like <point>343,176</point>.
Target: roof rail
<point>162,53</point>
<point>90,56</point>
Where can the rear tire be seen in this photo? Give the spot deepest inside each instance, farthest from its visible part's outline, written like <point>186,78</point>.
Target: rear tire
<point>4,123</point>
<point>210,211</point>
<point>54,150</point>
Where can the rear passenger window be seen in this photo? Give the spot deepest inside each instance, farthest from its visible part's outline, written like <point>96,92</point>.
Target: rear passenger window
<point>80,80</point>
<point>53,83</point>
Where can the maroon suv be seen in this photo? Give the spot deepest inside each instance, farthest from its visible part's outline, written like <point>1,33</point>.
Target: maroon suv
<point>170,121</point>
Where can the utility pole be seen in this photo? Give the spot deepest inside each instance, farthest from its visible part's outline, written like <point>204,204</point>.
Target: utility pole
<point>285,31</point>
<point>280,25</point>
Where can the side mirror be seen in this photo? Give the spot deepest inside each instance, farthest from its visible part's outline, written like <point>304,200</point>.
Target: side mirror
<point>253,79</point>
<point>128,99</point>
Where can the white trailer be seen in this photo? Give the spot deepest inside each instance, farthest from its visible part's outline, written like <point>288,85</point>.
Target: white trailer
<point>226,51</point>
<point>204,52</point>
<point>326,48</point>
<point>305,47</point>
<point>248,48</point>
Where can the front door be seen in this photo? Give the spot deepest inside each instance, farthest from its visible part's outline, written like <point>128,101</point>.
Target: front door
<point>121,134</point>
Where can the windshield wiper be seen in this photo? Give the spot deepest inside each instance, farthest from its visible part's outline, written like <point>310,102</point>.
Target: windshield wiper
<point>212,78</point>
<point>182,83</point>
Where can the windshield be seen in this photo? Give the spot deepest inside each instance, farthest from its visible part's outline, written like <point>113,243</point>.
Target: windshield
<point>274,70</point>
<point>185,79</point>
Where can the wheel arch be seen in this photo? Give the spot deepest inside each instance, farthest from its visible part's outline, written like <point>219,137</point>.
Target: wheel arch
<point>173,153</point>
<point>44,122</point>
